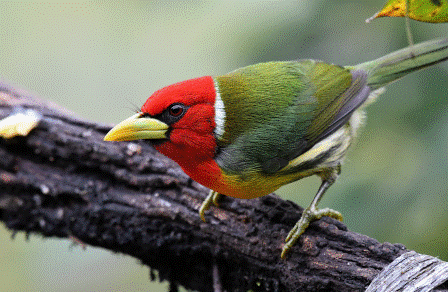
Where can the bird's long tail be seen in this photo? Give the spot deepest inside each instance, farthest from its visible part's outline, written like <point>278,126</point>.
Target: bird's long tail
<point>400,63</point>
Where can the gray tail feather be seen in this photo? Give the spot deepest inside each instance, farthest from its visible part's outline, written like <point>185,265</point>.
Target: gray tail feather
<point>400,63</point>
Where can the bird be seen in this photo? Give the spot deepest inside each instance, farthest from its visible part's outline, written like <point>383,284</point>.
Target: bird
<point>246,133</point>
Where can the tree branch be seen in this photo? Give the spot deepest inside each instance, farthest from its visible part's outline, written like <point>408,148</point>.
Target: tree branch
<point>63,180</point>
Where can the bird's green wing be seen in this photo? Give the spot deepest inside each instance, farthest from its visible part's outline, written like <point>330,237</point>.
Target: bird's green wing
<point>276,111</point>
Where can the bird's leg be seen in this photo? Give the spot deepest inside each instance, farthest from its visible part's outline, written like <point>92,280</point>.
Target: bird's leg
<point>311,213</point>
<point>216,198</point>
<point>213,197</point>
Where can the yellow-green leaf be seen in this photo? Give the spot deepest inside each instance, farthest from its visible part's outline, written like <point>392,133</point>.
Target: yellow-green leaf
<point>421,10</point>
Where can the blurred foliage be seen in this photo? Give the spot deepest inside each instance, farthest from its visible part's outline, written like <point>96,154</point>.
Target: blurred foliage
<point>103,59</point>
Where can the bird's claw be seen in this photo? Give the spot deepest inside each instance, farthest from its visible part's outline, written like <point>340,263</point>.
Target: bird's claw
<point>309,215</point>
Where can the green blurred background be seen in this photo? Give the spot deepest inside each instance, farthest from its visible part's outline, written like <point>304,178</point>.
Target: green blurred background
<point>103,59</point>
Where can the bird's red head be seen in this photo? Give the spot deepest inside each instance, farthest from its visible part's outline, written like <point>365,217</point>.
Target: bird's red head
<point>180,121</point>
<point>188,109</point>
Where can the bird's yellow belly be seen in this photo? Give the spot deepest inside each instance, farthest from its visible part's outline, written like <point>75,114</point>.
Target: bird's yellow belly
<point>256,184</point>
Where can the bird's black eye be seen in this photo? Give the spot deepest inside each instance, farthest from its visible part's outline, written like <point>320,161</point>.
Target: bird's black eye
<point>176,110</point>
<point>172,113</point>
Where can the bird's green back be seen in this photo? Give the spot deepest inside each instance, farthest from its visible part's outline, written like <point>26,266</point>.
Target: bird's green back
<point>275,111</point>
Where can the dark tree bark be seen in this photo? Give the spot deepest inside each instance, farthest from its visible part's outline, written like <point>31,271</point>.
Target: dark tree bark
<point>63,180</point>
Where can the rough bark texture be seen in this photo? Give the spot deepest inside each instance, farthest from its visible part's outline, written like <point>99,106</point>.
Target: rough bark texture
<point>63,180</point>
<point>411,272</point>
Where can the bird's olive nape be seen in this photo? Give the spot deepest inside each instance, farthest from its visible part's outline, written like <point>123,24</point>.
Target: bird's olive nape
<point>137,127</point>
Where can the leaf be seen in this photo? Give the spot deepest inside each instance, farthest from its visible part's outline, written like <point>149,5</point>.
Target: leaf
<point>421,10</point>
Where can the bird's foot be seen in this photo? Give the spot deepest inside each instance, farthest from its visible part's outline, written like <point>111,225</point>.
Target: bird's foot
<point>213,197</point>
<point>309,215</point>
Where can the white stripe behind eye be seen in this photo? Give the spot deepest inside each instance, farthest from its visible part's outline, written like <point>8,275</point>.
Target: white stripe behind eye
<point>220,114</point>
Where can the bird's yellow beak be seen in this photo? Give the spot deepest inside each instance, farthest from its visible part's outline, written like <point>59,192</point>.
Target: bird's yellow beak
<point>137,127</point>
